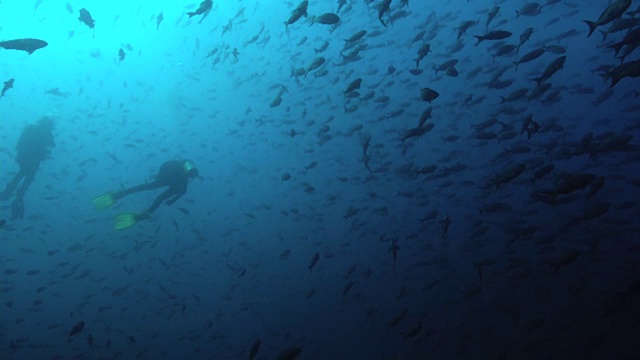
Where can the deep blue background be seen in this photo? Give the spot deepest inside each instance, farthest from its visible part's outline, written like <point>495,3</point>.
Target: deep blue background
<point>208,276</point>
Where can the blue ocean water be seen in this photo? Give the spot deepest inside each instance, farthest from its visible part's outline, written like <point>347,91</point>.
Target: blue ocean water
<point>325,223</point>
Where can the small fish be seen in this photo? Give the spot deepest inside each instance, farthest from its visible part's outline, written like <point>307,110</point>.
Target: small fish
<point>121,54</point>
<point>493,35</point>
<point>7,85</point>
<point>314,261</point>
<point>76,328</point>
<point>394,251</point>
<point>291,353</point>
<point>428,95</point>
<point>254,350</point>
<point>325,19</point>
<point>159,20</point>
<point>446,223</point>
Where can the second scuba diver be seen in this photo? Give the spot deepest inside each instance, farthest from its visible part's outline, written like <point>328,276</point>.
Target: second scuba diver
<point>175,174</point>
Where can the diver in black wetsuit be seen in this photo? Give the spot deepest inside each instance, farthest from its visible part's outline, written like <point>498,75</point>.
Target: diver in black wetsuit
<point>204,8</point>
<point>173,174</point>
<point>34,146</point>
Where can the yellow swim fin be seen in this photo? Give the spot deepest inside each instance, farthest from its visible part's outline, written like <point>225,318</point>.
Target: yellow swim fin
<point>126,220</point>
<point>103,201</point>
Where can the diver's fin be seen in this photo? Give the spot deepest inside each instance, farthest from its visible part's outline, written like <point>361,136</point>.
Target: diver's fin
<point>103,201</point>
<point>124,221</point>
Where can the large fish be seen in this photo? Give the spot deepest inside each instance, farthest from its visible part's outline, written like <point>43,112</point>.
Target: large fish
<point>611,13</point>
<point>28,45</point>
<point>85,17</point>
<point>384,7</point>
<point>628,69</point>
<point>297,13</point>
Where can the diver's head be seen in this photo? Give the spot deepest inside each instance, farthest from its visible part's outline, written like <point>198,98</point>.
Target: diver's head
<point>190,169</point>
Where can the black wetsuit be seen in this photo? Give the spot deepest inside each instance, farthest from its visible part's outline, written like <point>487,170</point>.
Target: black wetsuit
<point>33,147</point>
<point>204,7</point>
<point>171,174</point>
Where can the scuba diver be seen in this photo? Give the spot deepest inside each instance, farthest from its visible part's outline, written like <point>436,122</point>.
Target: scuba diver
<point>175,174</point>
<point>33,148</point>
<point>204,8</point>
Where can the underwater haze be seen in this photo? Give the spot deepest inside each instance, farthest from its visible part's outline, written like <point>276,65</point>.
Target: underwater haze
<point>404,179</point>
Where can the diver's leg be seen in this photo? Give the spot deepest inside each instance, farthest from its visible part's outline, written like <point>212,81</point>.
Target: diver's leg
<point>158,201</point>
<point>143,187</point>
<point>29,175</point>
<point>11,186</point>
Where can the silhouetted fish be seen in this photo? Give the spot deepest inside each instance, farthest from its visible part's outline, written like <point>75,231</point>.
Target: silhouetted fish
<point>7,85</point>
<point>28,45</point>
<point>85,17</point>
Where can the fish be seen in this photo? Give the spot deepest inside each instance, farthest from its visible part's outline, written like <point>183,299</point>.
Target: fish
<point>297,13</point>
<point>424,50</point>
<point>355,37</point>
<point>325,19</point>
<point>551,69</point>
<point>316,63</point>
<point>314,261</point>
<point>509,174</point>
<point>29,45</point>
<point>398,318</point>
<point>556,49</point>
<point>631,39</point>
<point>347,288</point>
<point>393,249</point>
<point>524,37</point>
<point>612,12</point>
<point>322,48</point>
<point>416,132</point>
<point>504,50</point>
<point>491,15</point>
<point>529,9</point>
<point>563,260</point>
<point>56,92</point>
<point>493,35</point>
<point>514,95</point>
<point>291,353</point>
<point>341,4</point>
<point>353,85</point>
<point>384,7</point>
<point>85,17</point>
<point>428,95</point>
<point>462,28</point>
<point>413,332</point>
<point>446,223</point>
<point>7,85</point>
<point>573,183</point>
<point>76,328</point>
<point>121,54</point>
<point>254,350</point>
<point>159,19</point>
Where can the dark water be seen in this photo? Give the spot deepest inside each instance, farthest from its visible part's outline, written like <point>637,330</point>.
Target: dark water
<point>446,245</point>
